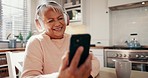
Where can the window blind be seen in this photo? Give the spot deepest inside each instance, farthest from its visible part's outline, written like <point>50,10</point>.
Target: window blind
<point>14,19</point>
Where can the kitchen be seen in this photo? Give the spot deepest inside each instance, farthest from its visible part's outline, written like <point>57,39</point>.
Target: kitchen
<point>107,27</point>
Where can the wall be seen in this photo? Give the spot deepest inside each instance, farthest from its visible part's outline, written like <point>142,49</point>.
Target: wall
<point>4,44</point>
<point>125,22</point>
<point>34,4</point>
<point>77,29</point>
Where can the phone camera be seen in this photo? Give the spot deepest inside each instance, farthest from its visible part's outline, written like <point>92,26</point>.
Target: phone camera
<point>77,40</point>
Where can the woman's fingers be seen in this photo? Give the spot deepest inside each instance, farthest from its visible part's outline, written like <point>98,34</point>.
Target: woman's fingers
<point>76,58</point>
<point>64,61</point>
<point>73,71</point>
<point>87,66</point>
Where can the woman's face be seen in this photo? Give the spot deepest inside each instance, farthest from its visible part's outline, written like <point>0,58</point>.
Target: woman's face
<point>54,23</point>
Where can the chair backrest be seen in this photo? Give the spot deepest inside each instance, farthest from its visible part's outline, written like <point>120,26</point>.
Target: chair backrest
<point>14,60</point>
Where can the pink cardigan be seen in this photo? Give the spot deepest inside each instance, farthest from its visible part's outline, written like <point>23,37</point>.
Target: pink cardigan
<point>43,56</point>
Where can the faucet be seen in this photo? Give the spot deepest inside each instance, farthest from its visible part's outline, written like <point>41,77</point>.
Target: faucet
<point>8,36</point>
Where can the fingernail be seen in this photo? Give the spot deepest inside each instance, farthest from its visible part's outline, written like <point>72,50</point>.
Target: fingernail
<point>81,48</point>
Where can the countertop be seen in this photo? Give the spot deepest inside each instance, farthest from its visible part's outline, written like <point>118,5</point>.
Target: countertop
<point>92,47</point>
<point>143,47</point>
<point>110,73</point>
<point>11,49</point>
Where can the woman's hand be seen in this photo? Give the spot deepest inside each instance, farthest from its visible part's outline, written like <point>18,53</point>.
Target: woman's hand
<point>73,71</point>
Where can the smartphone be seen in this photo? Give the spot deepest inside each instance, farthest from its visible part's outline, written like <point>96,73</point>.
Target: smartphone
<point>76,41</point>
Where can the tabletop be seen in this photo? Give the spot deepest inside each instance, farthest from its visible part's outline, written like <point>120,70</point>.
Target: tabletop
<point>110,73</point>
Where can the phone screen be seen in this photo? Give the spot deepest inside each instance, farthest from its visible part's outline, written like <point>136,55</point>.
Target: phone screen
<point>76,41</point>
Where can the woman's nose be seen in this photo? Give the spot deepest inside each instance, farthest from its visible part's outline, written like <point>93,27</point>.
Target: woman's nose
<point>57,22</point>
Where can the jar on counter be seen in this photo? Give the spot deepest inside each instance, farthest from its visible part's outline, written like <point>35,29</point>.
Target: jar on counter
<point>12,43</point>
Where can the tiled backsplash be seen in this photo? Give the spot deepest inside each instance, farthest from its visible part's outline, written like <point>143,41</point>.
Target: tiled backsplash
<point>125,22</point>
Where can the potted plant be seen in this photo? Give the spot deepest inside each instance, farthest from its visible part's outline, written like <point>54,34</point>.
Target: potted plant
<point>21,38</point>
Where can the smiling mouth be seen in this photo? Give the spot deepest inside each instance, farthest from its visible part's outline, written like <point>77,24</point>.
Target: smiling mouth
<point>57,28</point>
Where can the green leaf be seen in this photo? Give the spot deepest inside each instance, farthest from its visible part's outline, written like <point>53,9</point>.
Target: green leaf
<point>29,35</point>
<point>20,37</point>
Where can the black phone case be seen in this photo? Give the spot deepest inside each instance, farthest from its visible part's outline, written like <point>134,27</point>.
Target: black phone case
<point>75,42</point>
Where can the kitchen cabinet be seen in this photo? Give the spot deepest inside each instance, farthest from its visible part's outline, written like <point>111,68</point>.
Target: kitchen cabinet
<point>3,65</point>
<point>98,53</point>
<point>73,8</point>
<point>112,3</point>
<point>95,15</point>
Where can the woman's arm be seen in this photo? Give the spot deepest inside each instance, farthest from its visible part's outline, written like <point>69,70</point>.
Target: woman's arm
<point>34,59</point>
<point>95,67</point>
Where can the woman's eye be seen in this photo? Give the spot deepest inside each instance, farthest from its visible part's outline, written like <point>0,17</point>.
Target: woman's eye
<point>61,18</point>
<point>49,21</point>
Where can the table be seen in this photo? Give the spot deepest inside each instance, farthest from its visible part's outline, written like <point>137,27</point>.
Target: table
<point>110,73</point>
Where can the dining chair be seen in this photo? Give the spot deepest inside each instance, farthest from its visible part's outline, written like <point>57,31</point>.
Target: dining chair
<point>15,61</point>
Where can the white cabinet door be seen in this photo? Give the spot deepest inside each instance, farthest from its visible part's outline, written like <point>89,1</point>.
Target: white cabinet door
<point>99,54</point>
<point>96,18</point>
<point>112,3</point>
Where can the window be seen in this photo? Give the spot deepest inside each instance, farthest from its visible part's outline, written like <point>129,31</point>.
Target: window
<point>14,18</point>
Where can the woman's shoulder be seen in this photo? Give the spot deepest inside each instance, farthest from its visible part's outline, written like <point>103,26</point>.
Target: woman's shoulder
<point>67,35</point>
<point>38,37</point>
<point>42,37</point>
<point>34,37</point>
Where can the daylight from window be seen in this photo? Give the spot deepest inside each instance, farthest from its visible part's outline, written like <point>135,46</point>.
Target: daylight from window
<point>13,14</point>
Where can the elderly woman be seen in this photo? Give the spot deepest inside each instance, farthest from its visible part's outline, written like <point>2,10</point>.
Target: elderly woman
<point>44,51</point>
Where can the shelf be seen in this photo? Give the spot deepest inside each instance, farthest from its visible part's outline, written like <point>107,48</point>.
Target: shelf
<point>67,6</point>
<point>72,21</point>
<point>74,10</point>
<point>3,65</point>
